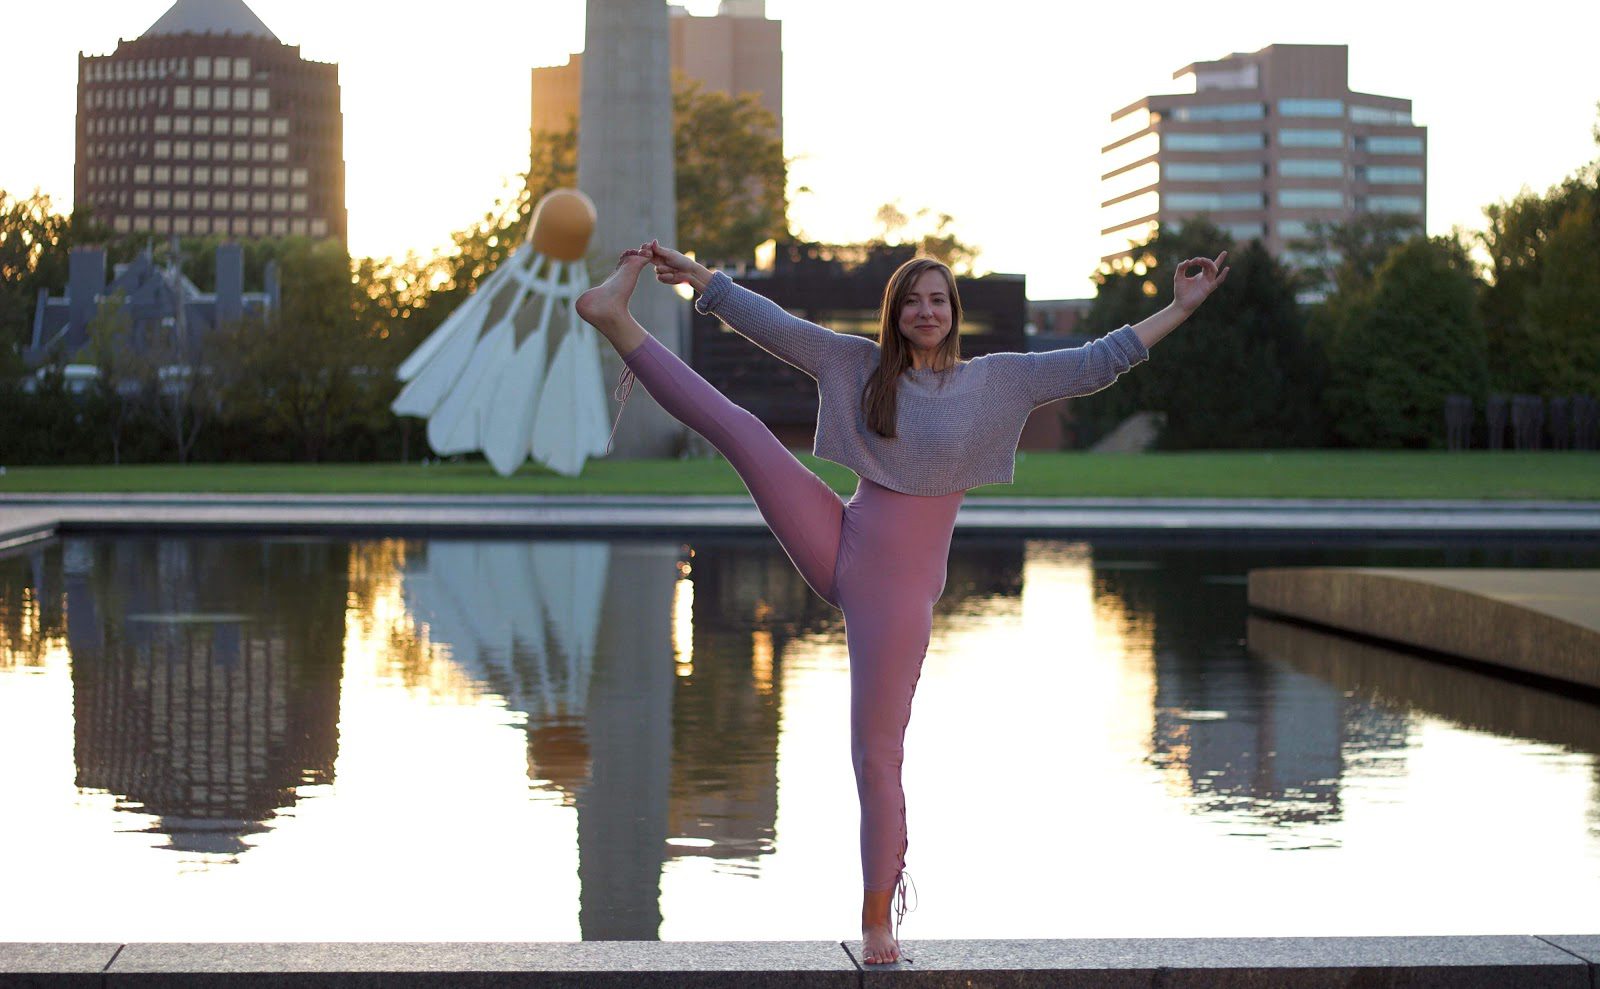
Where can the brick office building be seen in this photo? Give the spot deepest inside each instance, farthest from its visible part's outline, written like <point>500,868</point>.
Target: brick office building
<point>208,124</point>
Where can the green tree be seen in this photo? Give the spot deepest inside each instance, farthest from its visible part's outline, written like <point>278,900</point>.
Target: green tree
<point>35,242</point>
<point>123,375</point>
<point>1344,255</point>
<point>1405,344</point>
<point>730,172</point>
<point>1240,373</point>
<point>931,234</point>
<point>1522,241</point>
<point>1562,315</point>
<point>311,368</point>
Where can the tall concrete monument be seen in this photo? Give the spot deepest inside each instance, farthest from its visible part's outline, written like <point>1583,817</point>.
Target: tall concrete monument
<point>625,165</point>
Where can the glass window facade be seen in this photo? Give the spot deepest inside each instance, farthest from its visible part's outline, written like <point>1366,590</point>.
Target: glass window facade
<point>1302,198</point>
<point>1310,108</point>
<point>1213,200</point>
<point>1392,204</point>
<point>1120,184</point>
<point>1311,168</point>
<point>1392,174</point>
<point>1299,137</point>
<point>1378,115</point>
<point>1209,171</point>
<point>1379,144</point>
<point>1214,142</point>
<point>1218,111</point>
<point>1244,231</point>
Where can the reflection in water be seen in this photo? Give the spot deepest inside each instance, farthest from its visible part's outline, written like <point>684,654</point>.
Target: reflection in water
<point>205,717</point>
<point>650,690</point>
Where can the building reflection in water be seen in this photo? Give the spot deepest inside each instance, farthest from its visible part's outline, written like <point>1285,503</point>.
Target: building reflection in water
<point>205,678</point>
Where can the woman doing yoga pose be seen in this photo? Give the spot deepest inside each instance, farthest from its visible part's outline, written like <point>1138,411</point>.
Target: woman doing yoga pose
<point>920,427</point>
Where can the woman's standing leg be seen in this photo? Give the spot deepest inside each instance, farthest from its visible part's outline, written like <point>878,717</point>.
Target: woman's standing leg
<point>802,511</point>
<point>891,571</point>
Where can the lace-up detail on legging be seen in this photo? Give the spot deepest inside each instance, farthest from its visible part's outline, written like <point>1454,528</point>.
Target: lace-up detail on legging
<point>623,390</point>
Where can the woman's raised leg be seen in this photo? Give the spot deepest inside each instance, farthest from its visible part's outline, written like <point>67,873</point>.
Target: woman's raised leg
<point>803,512</point>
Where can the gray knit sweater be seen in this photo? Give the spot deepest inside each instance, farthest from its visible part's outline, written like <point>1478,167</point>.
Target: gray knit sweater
<point>957,428</point>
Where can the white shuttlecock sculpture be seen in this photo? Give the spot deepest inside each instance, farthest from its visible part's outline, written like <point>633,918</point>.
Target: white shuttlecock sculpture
<point>514,372</point>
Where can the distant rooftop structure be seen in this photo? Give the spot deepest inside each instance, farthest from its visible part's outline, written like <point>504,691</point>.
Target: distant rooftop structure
<point>211,17</point>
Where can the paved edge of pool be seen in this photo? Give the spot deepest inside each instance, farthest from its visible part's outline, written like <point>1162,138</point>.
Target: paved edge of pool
<point>1527,961</point>
<point>30,518</point>
<point>1544,622</point>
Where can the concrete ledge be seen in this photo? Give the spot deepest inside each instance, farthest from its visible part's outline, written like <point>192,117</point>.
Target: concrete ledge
<point>1547,962</point>
<point>1540,622</point>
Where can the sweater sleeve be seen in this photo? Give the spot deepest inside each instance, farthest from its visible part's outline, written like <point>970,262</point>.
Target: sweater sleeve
<point>1048,375</point>
<point>787,337</point>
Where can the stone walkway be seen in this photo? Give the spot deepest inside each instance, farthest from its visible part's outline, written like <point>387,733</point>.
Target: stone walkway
<point>29,517</point>
<point>1522,961</point>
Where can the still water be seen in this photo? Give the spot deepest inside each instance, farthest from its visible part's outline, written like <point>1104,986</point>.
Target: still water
<point>318,739</point>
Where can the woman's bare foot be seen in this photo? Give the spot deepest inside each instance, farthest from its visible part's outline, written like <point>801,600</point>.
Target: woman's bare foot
<point>605,307</point>
<point>878,946</point>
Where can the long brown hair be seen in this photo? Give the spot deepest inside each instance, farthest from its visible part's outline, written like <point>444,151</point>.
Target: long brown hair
<point>894,354</point>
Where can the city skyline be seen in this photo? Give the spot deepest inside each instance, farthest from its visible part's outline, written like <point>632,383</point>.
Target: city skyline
<point>1022,182</point>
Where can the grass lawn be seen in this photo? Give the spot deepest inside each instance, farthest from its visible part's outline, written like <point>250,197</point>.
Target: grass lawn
<point>1255,474</point>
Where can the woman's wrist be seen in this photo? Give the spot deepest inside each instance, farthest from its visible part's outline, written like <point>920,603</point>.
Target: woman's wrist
<point>699,277</point>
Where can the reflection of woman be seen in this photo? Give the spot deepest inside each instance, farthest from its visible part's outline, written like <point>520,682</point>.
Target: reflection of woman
<point>920,426</point>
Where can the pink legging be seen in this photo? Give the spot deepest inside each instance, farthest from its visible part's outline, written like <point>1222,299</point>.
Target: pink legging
<point>880,559</point>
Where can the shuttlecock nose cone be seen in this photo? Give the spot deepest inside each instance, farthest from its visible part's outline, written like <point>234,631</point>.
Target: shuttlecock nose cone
<point>562,224</point>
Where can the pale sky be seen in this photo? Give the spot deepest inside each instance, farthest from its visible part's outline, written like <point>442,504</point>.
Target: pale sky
<point>992,112</point>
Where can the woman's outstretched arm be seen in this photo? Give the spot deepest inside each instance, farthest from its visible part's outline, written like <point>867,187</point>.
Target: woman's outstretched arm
<point>1188,291</point>
<point>765,323</point>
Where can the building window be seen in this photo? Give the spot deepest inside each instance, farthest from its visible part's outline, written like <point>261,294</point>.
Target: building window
<point>298,177</point>
<point>180,125</point>
<point>202,67</point>
<point>1378,115</point>
<point>297,227</point>
<point>280,176</point>
<point>297,202</point>
<point>1384,145</point>
<point>319,228</point>
<point>280,127</point>
<point>258,152</point>
<point>258,99</point>
<point>202,175</point>
<point>180,200</point>
<point>222,68</point>
<point>162,199</point>
<point>202,125</point>
<point>163,149</point>
<point>1311,168</point>
<point>120,224</point>
<point>202,200</point>
<point>1307,198</point>
<point>180,225</point>
<point>1205,171</point>
<point>1392,174</point>
<point>280,152</point>
<point>141,199</point>
<point>258,202</point>
<point>219,150</point>
<point>241,176</point>
<point>180,175</point>
<point>202,99</point>
<point>241,98</point>
<point>1212,200</point>
<point>141,174</point>
<point>241,226</point>
<point>1213,142</point>
<point>1295,137</point>
<point>1218,111</point>
<point>1393,204</point>
<point>163,174</point>
<point>219,176</point>
<point>1310,108</point>
<point>241,151</point>
<point>1244,231</point>
<point>258,127</point>
<point>258,176</point>
<point>163,125</point>
<point>280,227</point>
<point>202,151</point>
<point>241,68</point>
<point>280,202</point>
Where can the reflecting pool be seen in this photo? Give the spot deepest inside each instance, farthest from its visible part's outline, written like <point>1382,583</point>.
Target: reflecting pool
<point>318,739</point>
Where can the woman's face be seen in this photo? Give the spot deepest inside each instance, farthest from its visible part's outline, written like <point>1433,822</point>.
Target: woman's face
<point>925,313</point>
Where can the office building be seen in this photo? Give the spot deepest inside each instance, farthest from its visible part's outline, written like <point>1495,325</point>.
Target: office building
<point>1266,143</point>
<point>735,52</point>
<point>207,124</point>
